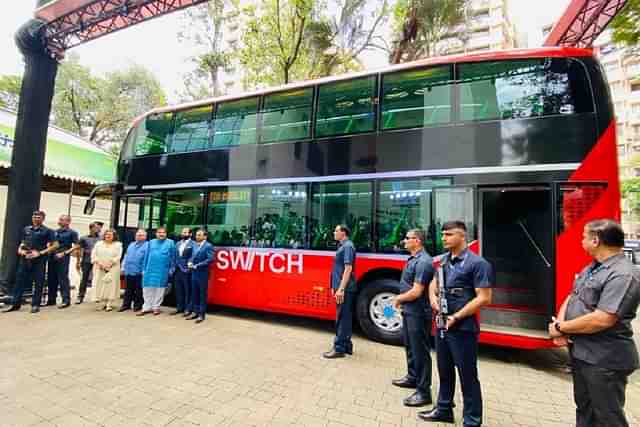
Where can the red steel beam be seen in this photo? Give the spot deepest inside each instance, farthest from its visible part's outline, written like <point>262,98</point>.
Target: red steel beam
<point>101,17</point>
<point>583,22</point>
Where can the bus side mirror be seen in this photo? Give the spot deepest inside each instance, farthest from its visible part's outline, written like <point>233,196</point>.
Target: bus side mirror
<point>89,206</point>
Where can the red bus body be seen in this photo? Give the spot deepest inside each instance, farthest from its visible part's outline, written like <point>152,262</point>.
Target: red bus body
<point>563,164</point>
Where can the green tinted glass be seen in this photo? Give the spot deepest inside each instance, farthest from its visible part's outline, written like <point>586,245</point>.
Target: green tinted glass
<point>235,122</point>
<point>229,216</point>
<point>287,115</point>
<point>341,203</point>
<point>403,205</point>
<point>515,89</point>
<point>184,209</point>
<point>346,107</point>
<point>416,98</point>
<point>280,216</point>
<point>154,133</point>
<point>192,130</point>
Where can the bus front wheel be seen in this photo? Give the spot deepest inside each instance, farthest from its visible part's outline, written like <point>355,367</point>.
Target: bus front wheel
<point>376,315</point>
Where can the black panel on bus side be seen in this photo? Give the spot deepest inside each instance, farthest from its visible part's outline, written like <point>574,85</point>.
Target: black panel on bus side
<point>534,141</point>
<point>602,97</point>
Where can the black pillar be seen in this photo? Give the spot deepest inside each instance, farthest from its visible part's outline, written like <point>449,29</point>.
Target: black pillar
<point>27,160</point>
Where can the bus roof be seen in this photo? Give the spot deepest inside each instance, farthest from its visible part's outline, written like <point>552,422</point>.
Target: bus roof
<point>544,52</point>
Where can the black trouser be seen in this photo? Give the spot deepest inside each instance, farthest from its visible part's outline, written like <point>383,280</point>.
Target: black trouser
<point>182,282</point>
<point>599,394</point>
<point>133,292</point>
<point>416,345</point>
<point>85,281</point>
<point>59,277</point>
<point>29,273</point>
<point>459,349</point>
<point>344,324</point>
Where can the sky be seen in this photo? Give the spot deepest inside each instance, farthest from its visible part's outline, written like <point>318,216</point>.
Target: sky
<point>155,45</point>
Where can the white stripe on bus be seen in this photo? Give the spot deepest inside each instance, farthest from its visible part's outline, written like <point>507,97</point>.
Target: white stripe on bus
<point>368,176</point>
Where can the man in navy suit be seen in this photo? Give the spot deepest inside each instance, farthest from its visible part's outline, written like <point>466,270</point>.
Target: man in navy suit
<point>199,266</point>
<point>182,278</point>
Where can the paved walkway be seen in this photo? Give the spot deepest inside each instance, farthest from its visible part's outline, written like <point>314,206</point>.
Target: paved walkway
<point>78,367</point>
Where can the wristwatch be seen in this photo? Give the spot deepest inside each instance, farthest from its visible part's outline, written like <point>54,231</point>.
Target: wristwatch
<point>557,326</point>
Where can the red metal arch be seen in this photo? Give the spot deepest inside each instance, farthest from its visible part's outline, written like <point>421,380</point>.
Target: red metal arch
<point>583,22</point>
<point>90,20</point>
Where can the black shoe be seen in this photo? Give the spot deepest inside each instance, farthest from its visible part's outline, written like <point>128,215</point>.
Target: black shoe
<point>186,314</point>
<point>79,300</point>
<point>136,309</point>
<point>48,304</point>
<point>121,309</point>
<point>64,305</point>
<point>175,312</point>
<point>436,415</point>
<point>12,308</point>
<point>333,354</point>
<point>200,320</point>
<point>35,309</point>
<point>418,399</point>
<point>404,382</point>
<point>192,317</point>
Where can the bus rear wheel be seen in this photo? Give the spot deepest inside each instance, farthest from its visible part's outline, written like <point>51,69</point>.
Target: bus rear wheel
<point>376,315</point>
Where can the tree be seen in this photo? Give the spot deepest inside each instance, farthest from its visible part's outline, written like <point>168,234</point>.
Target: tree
<point>273,41</point>
<point>101,108</point>
<point>420,25</point>
<point>630,188</point>
<point>10,91</point>
<point>337,40</point>
<point>626,27</point>
<point>203,26</point>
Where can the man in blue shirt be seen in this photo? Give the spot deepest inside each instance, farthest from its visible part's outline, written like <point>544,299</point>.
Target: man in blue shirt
<point>59,262</point>
<point>468,279</point>
<point>132,266</point>
<point>343,287</point>
<point>416,316</point>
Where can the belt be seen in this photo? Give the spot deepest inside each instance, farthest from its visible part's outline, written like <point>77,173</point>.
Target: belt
<point>456,291</point>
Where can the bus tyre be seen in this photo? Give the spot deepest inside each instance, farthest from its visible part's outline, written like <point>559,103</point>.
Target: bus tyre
<point>376,315</point>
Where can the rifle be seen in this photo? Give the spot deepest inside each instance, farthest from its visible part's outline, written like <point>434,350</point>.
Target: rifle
<point>441,319</point>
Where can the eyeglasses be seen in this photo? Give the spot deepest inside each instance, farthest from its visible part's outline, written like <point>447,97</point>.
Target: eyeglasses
<point>409,237</point>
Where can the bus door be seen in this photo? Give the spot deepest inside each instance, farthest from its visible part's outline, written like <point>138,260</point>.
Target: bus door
<point>139,211</point>
<point>516,237</point>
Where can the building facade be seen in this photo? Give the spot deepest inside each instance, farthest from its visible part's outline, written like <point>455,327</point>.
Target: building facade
<point>489,28</point>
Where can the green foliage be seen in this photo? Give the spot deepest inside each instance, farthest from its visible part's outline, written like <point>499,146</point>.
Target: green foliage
<point>289,40</point>
<point>419,25</point>
<point>203,26</point>
<point>10,91</point>
<point>630,189</point>
<point>273,41</point>
<point>101,109</point>
<point>626,25</point>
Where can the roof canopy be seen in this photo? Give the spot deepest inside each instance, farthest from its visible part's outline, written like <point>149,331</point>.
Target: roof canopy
<point>72,22</point>
<point>67,157</point>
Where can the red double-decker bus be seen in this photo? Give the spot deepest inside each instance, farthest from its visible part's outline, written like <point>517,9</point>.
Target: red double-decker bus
<point>518,144</point>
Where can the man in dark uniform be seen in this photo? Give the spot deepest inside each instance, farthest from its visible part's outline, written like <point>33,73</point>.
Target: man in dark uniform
<point>595,321</point>
<point>59,262</point>
<point>343,287</point>
<point>36,243</point>
<point>416,316</point>
<point>467,285</point>
<point>199,266</point>
<point>83,265</point>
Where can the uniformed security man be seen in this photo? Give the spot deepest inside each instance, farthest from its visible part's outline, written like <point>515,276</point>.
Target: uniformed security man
<point>416,314</point>
<point>59,262</point>
<point>467,287</point>
<point>343,287</point>
<point>36,242</point>
<point>595,321</point>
